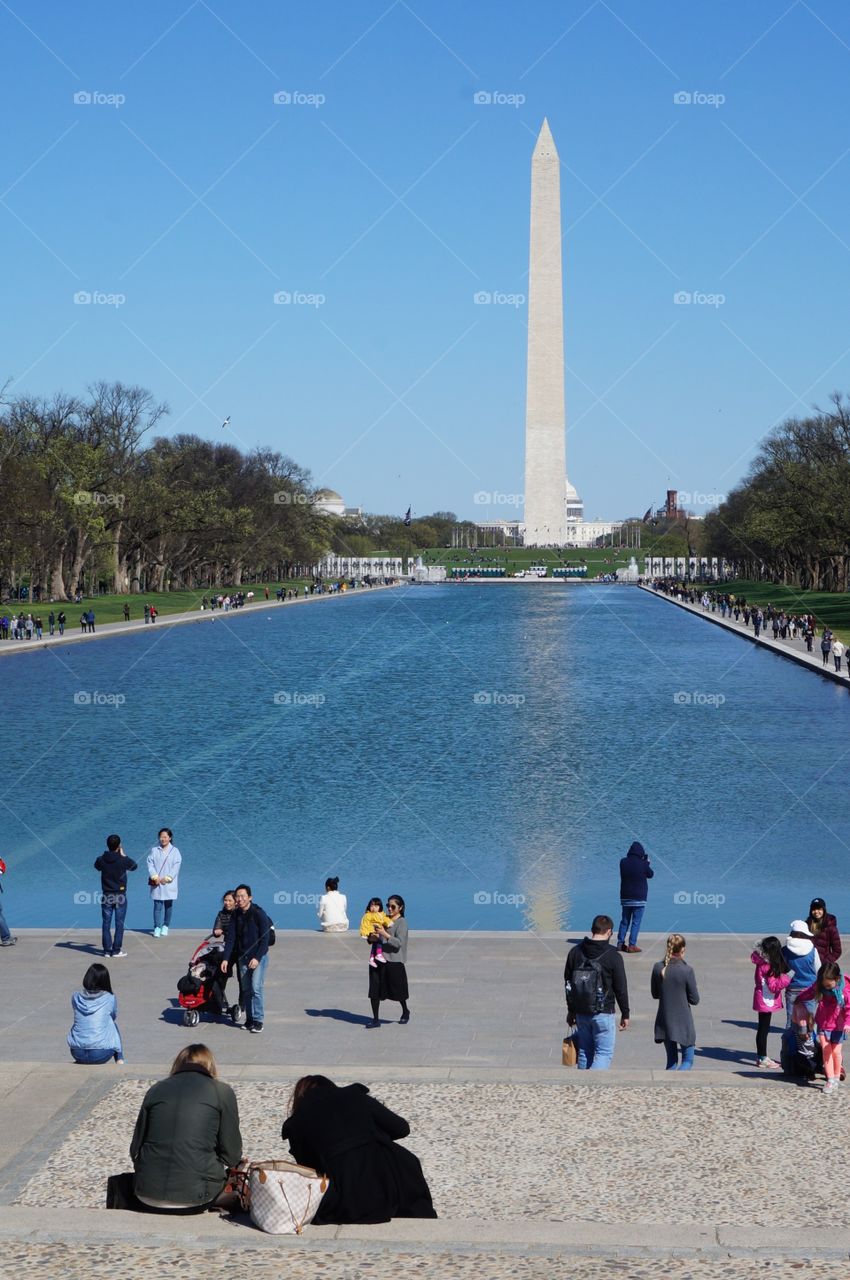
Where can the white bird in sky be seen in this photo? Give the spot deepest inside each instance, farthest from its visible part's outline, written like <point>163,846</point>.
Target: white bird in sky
<point>226,422</point>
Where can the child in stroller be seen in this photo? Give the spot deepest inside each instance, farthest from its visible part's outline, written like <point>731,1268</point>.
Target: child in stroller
<point>202,987</point>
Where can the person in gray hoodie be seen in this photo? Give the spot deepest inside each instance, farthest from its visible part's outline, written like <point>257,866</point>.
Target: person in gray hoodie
<point>94,1037</point>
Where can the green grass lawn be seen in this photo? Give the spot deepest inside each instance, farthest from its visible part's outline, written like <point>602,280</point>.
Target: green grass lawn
<point>111,608</point>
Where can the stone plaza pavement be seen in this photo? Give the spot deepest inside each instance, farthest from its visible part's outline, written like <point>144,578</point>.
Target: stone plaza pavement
<point>536,1169</point>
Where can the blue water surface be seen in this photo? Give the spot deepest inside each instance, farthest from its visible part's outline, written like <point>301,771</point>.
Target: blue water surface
<point>487,751</point>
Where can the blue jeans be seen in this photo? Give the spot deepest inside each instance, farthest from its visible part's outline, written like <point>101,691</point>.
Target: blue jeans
<point>632,915</point>
<point>4,928</point>
<point>251,988</point>
<point>110,902</point>
<point>92,1057</point>
<point>673,1056</point>
<point>162,912</point>
<point>596,1034</point>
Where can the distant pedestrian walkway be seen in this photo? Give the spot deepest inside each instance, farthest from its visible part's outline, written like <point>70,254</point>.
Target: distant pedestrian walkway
<point>799,635</point>
<point>16,627</point>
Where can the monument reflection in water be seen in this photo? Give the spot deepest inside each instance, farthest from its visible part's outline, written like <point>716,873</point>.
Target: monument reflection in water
<point>488,751</point>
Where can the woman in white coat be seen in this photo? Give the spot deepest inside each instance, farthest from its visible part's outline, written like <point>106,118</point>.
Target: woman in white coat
<point>333,908</point>
<point>163,871</point>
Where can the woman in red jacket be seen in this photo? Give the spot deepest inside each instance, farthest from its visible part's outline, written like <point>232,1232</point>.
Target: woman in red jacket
<point>824,928</point>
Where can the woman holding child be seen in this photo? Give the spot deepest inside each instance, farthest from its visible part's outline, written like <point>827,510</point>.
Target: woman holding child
<point>388,981</point>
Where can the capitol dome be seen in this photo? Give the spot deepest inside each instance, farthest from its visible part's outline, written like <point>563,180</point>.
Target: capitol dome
<point>575,506</point>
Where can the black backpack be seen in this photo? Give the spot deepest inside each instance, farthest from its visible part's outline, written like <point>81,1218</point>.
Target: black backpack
<point>587,986</point>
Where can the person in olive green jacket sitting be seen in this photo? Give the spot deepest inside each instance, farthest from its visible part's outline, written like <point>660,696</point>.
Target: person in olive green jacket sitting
<point>186,1137</point>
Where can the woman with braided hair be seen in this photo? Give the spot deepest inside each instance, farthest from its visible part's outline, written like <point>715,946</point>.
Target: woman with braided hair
<point>674,986</point>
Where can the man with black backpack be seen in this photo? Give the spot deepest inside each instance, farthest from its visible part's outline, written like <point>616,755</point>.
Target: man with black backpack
<point>594,978</point>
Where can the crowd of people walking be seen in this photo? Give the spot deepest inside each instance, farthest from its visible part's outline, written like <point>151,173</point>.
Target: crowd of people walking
<point>764,620</point>
<point>31,626</point>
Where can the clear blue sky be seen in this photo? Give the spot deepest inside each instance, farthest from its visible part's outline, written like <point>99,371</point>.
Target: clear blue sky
<point>398,198</point>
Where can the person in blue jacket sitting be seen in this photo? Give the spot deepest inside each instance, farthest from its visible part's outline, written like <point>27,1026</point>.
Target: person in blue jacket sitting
<point>94,1037</point>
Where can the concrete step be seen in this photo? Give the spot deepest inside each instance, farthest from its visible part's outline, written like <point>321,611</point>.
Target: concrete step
<point>211,1232</point>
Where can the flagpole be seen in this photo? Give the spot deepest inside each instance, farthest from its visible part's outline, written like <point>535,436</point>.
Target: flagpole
<point>409,536</point>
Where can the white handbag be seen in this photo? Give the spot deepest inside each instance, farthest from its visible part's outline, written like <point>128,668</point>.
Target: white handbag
<point>284,1196</point>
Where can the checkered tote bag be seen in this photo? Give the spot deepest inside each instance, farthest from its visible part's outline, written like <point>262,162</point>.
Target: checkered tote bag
<point>284,1196</point>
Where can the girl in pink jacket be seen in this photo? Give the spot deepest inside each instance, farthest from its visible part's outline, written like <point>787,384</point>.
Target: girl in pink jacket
<point>832,992</point>
<point>772,976</point>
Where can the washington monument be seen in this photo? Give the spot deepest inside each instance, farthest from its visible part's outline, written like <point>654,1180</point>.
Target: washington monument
<point>546,485</point>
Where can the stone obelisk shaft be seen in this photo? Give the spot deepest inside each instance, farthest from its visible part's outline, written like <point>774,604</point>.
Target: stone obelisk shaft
<point>545,421</point>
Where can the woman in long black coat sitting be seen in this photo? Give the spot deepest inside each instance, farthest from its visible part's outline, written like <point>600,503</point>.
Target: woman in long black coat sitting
<point>352,1139</point>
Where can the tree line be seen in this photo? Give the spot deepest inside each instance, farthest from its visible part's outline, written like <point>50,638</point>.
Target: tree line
<point>86,502</point>
<point>789,520</point>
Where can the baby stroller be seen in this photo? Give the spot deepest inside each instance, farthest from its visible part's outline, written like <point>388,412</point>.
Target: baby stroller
<point>202,987</point>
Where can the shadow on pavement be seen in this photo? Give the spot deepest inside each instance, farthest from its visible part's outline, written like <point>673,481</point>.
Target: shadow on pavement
<point>725,1055</point>
<point>341,1015</point>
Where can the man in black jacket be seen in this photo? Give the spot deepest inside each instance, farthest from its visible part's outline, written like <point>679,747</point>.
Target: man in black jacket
<point>635,874</point>
<point>246,945</point>
<point>113,866</point>
<point>594,978</point>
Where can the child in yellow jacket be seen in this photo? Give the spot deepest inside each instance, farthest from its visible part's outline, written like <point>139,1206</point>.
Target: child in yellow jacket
<point>375,915</point>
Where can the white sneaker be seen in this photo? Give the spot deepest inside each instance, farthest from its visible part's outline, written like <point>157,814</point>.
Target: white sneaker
<point>157,931</point>
<point>165,931</point>
<point>769,1064</point>
<point>116,955</point>
<point>831,1086</point>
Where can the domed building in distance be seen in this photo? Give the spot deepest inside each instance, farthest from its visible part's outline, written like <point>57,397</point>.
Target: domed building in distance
<point>331,503</point>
